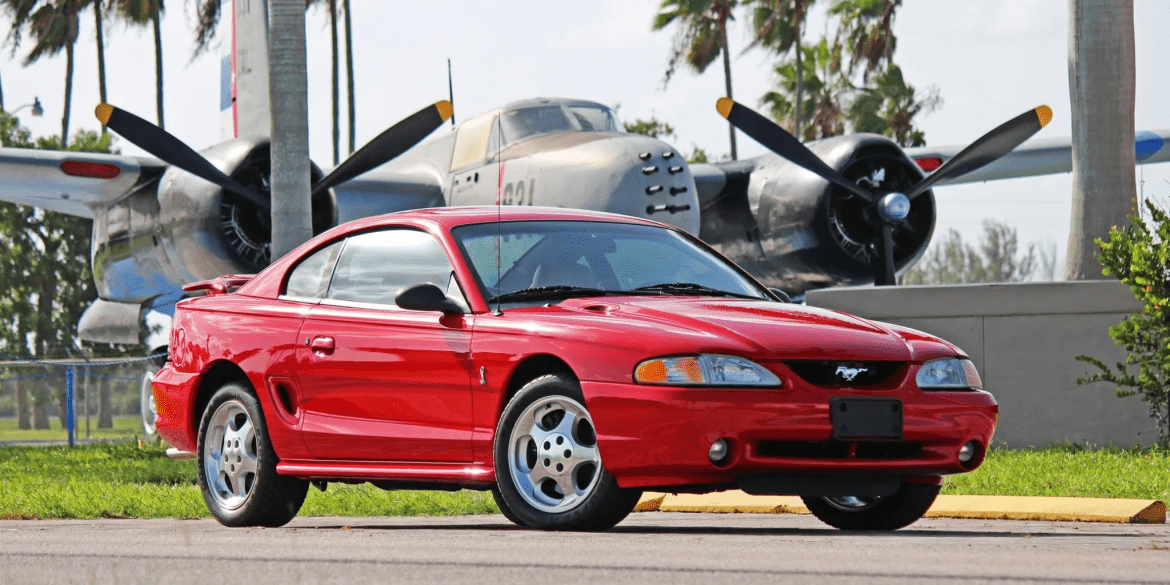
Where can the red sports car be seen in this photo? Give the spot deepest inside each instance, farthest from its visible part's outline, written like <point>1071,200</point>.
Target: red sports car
<point>566,361</point>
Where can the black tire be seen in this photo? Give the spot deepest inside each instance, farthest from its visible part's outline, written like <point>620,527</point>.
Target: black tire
<point>597,502</point>
<point>900,510</point>
<point>246,491</point>
<point>505,509</point>
<point>147,409</point>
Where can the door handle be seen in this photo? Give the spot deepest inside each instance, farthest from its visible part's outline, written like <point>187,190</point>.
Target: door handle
<point>323,345</point>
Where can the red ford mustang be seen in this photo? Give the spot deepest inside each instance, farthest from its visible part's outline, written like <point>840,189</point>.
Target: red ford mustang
<point>566,361</point>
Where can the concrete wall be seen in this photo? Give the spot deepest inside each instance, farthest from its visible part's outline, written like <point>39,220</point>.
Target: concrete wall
<point>1023,338</point>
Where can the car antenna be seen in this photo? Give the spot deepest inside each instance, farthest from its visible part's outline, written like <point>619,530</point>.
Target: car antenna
<point>451,91</point>
<point>499,207</point>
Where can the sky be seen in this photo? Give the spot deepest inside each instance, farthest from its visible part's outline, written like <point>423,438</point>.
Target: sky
<point>989,60</point>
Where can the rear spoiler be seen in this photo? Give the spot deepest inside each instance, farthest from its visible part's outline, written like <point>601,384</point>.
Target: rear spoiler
<point>220,286</point>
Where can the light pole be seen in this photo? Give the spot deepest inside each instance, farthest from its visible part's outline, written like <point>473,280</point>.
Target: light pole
<point>37,110</point>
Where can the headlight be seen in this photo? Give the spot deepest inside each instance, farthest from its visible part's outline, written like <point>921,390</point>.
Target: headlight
<point>949,373</point>
<point>704,370</point>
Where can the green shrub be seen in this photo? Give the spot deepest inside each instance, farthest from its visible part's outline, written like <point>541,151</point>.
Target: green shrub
<point>1139,256</point>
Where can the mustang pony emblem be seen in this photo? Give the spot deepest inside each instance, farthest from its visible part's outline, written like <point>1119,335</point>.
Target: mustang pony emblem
<point>849,373</point>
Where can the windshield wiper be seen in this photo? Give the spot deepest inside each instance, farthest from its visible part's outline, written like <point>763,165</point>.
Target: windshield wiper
<point>690,288</point>
<point>548,292</point>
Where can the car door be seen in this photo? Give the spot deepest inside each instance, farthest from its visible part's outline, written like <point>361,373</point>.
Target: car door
<point>379,382</point>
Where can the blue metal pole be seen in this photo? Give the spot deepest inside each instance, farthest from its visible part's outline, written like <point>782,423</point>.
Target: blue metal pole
<point>69,403</point>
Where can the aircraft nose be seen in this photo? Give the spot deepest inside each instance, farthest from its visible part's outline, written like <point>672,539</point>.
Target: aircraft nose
<point>665,189</point>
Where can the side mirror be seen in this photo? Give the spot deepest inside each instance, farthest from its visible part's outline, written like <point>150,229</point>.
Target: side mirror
<point>781,294</point>
<point>426,297</point>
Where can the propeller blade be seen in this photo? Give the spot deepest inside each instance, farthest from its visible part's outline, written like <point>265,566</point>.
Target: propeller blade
<point>394,141</point>
<point>162,144</point>
<point>887,276</point>
<point>779,141</point>
<point>988,148</point>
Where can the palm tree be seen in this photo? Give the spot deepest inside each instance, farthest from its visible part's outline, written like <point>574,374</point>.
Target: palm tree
<point>867,27</point>
<point>101,51</point>
<point>819,73</point>
<point>887,105</point>
<point>779,25</point>
<point>349,77</point>
<point>143,13</point>
<point>291,210</point>
<point>53,28</point>
<point>331,6</point>
<point>701,38</point>
<point>210,11</point>
<point>1101,87</point>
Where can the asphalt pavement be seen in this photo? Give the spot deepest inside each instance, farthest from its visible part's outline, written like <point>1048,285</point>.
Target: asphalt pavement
<point>652,547</point>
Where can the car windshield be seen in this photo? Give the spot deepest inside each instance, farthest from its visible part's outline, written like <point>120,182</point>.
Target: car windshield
<point>540,260</point>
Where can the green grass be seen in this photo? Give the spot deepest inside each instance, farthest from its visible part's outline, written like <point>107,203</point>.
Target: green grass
<point>122,480</point>
<point>125,426</point>
<point>1071,471</point>
<point>117,480</point>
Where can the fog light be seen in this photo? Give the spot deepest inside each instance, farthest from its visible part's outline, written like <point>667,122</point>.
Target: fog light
<point>718,451</point>
<point>967,452</point>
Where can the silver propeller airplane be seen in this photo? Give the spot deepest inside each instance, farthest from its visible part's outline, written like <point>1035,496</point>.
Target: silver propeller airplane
<point>852,209</point>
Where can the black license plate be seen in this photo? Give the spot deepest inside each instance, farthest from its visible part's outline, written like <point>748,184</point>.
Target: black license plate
<point>866,418</point>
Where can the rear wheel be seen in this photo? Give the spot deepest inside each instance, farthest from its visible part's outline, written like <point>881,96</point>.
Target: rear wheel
<point>237,465</point>
<point>146,400</point>
<point>548,468</point>
<point>892,512</point>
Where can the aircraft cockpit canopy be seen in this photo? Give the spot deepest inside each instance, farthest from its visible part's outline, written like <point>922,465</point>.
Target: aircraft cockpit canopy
<point>524,120</point>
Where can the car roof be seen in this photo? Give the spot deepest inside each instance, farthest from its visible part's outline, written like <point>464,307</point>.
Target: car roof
<point>446,218</point>
<point>435,220</point>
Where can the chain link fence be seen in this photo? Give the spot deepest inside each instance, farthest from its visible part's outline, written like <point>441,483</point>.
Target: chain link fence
<point>111,399</point>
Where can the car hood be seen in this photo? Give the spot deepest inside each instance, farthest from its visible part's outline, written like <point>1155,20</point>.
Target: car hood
<point>761,329</point>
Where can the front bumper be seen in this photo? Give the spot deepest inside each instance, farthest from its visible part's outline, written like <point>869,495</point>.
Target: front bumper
<point>659,437</point>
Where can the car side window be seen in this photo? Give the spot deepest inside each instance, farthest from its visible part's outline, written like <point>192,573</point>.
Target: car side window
<point>374,266</point>
<point>310,279</point>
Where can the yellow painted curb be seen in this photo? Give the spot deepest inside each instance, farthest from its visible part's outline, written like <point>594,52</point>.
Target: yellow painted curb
<point>729,502</point>
<point>981,507</point>
<point>1052,509</point>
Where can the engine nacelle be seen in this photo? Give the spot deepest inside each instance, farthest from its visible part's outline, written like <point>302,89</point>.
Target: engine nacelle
<point>179,228</point>
<point>796,231</point>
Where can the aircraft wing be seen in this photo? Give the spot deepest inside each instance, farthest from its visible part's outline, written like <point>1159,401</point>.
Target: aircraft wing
<point>381,192</point>
<point>1045,156</point>
<point>712,180</point>
<point>70,182</point>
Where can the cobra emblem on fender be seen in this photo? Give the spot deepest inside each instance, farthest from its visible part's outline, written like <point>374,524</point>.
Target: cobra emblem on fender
<point>849,373</point>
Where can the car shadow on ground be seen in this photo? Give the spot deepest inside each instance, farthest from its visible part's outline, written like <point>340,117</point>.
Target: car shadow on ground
<point>716,530</point>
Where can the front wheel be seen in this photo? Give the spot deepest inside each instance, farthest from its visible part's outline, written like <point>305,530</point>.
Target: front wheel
<point>899,510</point>
<point>548,467</point>
<point>237,465</point>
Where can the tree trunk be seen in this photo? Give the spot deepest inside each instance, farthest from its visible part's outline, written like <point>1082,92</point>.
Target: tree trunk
<point>288,88</point>
<point>1101,87</point>
<point>44,329</point>
<point>63,407</point>
<point>23,420</point>
<point>41,406</point>
<point>101,54</point>
<point>105,414</point>
<point>68,95</point>
<point>2,98</point>
<point>349,80</point>
<point>158,64</point>
<point>799,115</point>
<point>336,84</point>
<point>727,80</point>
